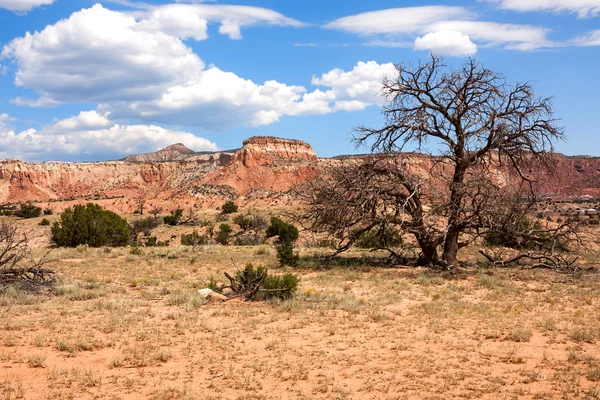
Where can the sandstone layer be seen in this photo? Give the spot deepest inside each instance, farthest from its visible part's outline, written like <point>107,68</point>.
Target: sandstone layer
<point>263,170</point>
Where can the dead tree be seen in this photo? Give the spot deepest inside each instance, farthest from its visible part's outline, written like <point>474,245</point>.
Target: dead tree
<point>477,120</point>
<point>16,269</point>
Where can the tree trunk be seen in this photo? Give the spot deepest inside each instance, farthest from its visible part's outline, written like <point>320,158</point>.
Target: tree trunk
<point>429,248</point>
<point>451,247</point>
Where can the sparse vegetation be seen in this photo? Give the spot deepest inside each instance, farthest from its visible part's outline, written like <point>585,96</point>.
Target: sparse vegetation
<point>28,210</point>
<point>174,218</point>
<point>229,208</point>
<point>224,234</point>
<point>194,239</point>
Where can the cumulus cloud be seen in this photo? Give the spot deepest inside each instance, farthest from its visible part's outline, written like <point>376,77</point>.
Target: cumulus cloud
<point>356,89</point>
<point>392,27</point>
<point>137,72</point>
<point>583,8</point>
<point>97,55</point>
<point>91,136</point>
<point>452,43</point>
<point>23,5</point>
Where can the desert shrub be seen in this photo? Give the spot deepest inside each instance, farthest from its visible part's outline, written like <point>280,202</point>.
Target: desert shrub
<point>286,235</point>
<point>244,222</point>
<point>229,208</point>
<point>278,287</point>
<point>222,217</point>
<point>174,218</point>
<point>250,222</point>
<point>7,209</point>
<point>28,210</point>
<point>322,243</point>
<point>249,240</point>
<point>151,241</point>
<point>283,230</point>
<point>286,255</point>
<point>194,239</point>
<point>224,234</point>
<point>509,235</point>
<point>91,225</point>
<point>144,226</point>
<point>281,287</point>
<point>48,211</point>
<point>384,238</point>
<point>44,222</point>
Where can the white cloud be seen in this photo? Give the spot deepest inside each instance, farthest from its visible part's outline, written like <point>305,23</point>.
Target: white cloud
<point>452,43</point>
<point>191,20</point>
<point>392,28</point>
<point>583,8</point>
<point>97,55</point>
<point>396,20</point>
<point>91,136</point>
<point>23,5</point>
<point>591,39</point>
<point>137,72</point>
<point>510,36</point>
<point>360,85</point>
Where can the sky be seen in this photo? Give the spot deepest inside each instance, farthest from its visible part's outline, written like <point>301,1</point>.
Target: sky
<point>84,80</point>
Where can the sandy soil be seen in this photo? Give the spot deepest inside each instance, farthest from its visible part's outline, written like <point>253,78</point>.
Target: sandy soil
<point>124,326</point>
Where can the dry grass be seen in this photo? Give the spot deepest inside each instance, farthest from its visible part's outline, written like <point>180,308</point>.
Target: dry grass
<point>132,326</point>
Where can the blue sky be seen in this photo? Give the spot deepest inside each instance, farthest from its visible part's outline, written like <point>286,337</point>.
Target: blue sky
<point>92,80</point>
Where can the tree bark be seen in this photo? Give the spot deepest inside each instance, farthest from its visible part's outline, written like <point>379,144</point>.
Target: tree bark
<point>449,256</point>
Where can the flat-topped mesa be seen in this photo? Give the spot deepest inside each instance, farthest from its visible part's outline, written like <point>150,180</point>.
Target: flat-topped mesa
<point>264,150</point>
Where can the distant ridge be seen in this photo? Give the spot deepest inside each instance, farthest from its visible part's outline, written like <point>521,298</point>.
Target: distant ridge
<point>176,152</point>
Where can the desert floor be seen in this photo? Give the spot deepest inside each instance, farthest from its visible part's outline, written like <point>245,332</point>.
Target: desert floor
<point>125,326</point>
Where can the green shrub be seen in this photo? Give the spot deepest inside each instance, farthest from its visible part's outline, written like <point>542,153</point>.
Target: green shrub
<point>48,211</point>
<point>7,209</point>
<point>229,208</point>
<point>284,231</point>
<point>194,239</point>
<point>244,222</point>
<point>384,238</point>
<point>174,218</point>
<point>279,287</point>
<point>286,255</point>
<point>151,241</point>
<point>144,226</point>
<point>28,210</point>
<point>224,234</point>
<point>91,225</point>
<point>45,222</point>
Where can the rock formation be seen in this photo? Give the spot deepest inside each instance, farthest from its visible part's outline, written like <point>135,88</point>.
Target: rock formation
<point>263,169</point>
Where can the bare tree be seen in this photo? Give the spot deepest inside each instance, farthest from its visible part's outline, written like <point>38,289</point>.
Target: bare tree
<point>477,120</point>
<point>16,269</point>
<point>141,203</point>
<point>155,211</point>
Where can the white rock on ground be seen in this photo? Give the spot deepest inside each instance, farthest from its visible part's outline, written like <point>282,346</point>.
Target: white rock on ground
<point>211,295</point>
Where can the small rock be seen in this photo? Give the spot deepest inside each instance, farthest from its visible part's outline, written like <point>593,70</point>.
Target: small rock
<point>211,295</point>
